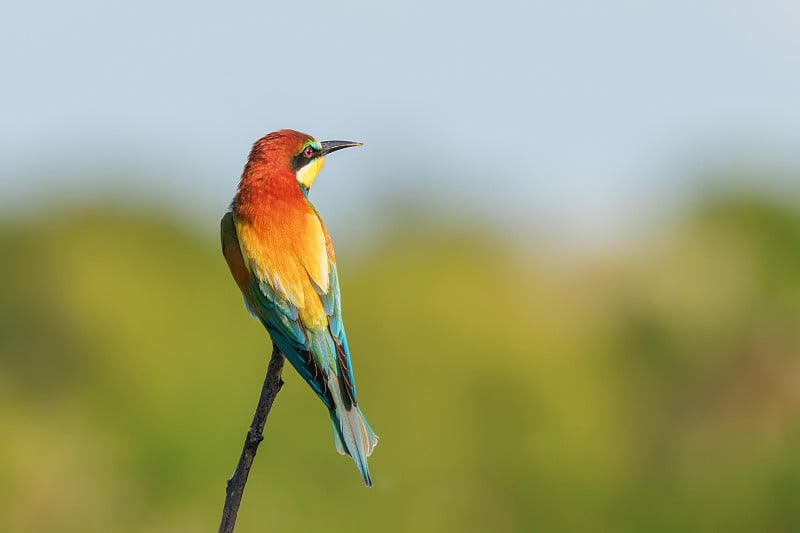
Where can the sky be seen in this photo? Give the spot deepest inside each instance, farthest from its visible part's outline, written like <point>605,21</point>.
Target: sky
<point>577,119</point>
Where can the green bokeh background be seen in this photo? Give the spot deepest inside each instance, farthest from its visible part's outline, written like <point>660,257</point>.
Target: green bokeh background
<point>652,388</point>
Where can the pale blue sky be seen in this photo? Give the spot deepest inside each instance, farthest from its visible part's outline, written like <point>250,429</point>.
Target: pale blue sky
<point>575,118</point>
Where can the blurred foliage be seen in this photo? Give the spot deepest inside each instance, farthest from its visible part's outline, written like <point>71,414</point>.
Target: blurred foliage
<point>656,390</point>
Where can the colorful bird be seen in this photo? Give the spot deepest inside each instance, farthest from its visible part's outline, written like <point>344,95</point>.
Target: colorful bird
<point>282,259</point>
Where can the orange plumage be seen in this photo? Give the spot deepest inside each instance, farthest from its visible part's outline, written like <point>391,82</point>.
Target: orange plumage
<point>281,257</point>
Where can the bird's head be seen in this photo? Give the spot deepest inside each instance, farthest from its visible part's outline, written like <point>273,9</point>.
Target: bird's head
<point>299,152</point>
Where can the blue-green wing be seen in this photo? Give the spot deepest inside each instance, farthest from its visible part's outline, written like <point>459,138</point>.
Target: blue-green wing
<point>314,353</point>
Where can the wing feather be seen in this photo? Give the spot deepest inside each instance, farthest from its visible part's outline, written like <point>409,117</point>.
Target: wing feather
<point>295,294</point>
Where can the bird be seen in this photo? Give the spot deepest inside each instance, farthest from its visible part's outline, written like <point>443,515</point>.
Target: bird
<point>281,257</point>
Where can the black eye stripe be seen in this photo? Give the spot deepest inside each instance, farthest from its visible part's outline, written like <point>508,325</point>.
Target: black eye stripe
<point>301,159</point>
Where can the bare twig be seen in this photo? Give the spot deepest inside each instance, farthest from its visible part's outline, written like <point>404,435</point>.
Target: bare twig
<point>233,494</point>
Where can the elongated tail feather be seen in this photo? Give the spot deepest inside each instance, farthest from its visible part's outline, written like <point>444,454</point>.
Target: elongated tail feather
<point>354,437</point>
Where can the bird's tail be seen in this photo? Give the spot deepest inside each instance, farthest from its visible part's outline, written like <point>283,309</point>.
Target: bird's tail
<point>354,437</point>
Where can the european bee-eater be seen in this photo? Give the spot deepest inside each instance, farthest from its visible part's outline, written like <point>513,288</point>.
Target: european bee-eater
<point>282,259</point>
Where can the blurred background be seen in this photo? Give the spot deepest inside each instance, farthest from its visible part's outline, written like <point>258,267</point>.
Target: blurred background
<point>569,253</point>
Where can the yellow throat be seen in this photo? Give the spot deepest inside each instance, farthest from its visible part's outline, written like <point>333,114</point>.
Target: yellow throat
<point>307,174</point>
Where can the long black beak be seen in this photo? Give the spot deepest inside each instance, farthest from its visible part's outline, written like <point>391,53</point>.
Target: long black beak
<point>332,146</point>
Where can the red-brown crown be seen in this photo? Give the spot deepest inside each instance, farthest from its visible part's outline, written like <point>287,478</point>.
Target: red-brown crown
<point>269,173</point>
<point>279,147</point>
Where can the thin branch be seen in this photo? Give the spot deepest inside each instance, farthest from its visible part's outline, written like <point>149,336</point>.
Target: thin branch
<point>233,494</point>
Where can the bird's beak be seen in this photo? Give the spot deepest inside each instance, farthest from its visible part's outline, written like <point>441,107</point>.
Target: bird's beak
<point>332,146</point>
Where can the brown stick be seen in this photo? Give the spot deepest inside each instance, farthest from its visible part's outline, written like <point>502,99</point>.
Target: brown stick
<point>233,494</point>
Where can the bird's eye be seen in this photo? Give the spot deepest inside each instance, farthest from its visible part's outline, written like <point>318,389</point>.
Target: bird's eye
<point>308,152</point>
